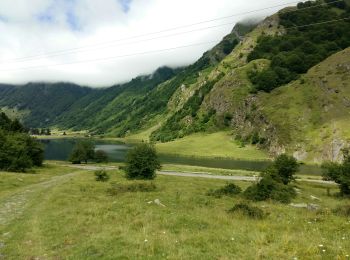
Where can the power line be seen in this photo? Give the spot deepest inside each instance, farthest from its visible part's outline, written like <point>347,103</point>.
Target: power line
<point>312,6</point>
<point>157,51</point>
<point>114,57</point>
<point>128,43</point>
<point>313,24</point>
<point>76,50</point>
<point>152,33</point>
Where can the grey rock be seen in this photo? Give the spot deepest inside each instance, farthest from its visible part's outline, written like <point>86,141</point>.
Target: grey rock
<point>313,207</point>
<point>315,198</point>
<point>157,202</point>
<point>299,205</point>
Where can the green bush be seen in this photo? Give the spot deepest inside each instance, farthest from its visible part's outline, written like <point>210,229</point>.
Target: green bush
<point>101,175</point>
<point>138,186</point>
<point>284,168</point>
<point>274,182</point>
<point>268,188</point>
<point>142,162</point>
<point>229,189</point>
<point>248,210</point>
<point>101,156</point>
<point>342,211</point>
<point>339,173</point>
<point>18,151</point>
<point>83,151</point>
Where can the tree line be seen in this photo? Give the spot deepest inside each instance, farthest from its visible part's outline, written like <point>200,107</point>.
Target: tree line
<point>38,131</point>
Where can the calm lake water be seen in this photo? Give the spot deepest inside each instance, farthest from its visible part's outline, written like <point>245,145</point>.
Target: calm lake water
<point>59,149</point>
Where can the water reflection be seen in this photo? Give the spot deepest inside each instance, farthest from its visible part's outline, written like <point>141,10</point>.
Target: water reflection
<point>59,149</point>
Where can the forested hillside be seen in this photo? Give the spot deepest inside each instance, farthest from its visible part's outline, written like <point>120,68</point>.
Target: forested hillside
<point>41,103</point>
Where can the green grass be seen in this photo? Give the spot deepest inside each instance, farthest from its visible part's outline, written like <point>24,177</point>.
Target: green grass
<point>14,113</point>
<point>78,219</point>
<point>12,182</point>
<point>219,144</point>
<point>198,169</point>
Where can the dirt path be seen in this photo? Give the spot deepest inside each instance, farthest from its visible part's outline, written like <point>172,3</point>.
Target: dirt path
<point>207,175</point>
<point>13,205</point>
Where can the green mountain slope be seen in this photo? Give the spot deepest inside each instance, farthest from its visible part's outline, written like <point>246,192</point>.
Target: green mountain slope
<point>232,101</point>
<point>41,102</point>
<point>111,109</point>
<point>117,110</point>
<point>311,116</point>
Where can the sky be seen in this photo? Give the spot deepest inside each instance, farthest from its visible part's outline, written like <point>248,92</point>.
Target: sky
<point>99,43</point>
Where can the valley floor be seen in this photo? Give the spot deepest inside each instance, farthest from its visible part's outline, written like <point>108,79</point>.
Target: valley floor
<point>63,213</point>
<point>219,144</point>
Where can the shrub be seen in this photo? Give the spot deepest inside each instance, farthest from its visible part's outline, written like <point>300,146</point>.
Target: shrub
<point>342,211</point>
<point>101,156</point>
<point>284,168</point>
<point>101,175</point>
<point>274,182</point>
<point>339,173</point>
<point>229,189</point>
<point>83,151</point>
<point>248,210</point>
<point>18,151</point>
<point>117,188</point>
<point>266,80</point>
<point>268,188</point>
<point>142,162</point>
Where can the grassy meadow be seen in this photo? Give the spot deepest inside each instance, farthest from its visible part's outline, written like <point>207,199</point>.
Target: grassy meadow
<point>63,213</point>
<point>220,144</point>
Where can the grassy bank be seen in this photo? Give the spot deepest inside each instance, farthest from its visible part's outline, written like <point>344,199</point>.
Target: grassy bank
<point>76,218</point>
<point>218,144</point>
<point>198,169</point>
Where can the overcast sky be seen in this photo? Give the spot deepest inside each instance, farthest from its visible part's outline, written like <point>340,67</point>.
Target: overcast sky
<point>98,43</point>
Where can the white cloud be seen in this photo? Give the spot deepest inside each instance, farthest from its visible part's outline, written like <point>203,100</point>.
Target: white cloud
<point>29,28</point>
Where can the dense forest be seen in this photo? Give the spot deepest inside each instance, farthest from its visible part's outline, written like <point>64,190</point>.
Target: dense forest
<point>310,38</point>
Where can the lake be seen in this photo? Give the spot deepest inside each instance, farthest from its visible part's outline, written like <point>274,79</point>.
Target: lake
<point>59,149</point>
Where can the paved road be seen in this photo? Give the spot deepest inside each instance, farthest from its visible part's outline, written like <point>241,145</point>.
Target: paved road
<point>207,175</point>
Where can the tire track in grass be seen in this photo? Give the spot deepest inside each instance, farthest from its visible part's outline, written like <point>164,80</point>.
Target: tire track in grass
<point>14,205</point>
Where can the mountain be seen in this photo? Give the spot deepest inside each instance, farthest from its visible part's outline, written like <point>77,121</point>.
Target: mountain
<point>252,92</point>
<point>116,110</point>
<point>281,85</point>
<point>104,110</point>
<point>41,103</point>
